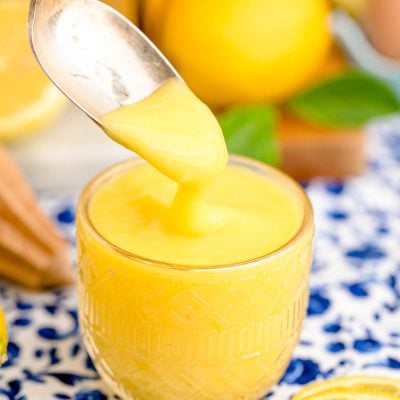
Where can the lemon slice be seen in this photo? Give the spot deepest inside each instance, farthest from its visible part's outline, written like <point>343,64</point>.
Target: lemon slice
<point>352,388</point>
<point>28,100</point>
<point>3,338</point>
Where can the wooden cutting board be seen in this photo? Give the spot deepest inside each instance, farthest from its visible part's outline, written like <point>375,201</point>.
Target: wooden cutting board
<point>308,151</point>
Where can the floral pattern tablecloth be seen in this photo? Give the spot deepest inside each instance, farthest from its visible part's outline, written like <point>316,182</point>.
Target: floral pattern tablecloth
<point>353,323</point>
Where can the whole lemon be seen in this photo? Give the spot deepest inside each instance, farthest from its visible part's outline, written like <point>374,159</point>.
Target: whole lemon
<point>127,7</point>
<point>355,7</point>
<point>3,337</point>
<point>241,51</point>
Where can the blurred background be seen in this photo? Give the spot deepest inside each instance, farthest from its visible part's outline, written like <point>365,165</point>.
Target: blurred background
<point>294,83</point>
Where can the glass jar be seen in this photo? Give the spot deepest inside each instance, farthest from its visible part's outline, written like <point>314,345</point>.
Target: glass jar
<point>158,331</point>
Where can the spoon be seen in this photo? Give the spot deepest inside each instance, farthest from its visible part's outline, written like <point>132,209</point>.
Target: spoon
<point>94,55</point>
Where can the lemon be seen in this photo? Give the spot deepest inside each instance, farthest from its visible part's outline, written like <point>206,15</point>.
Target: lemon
<point>153,12</point>
<point>355,7</point>
<point>241,51</point>
<point>3,337</point>
<point>126,7</point>
<point>352,388</point>
<point>28,101</point>
<point>334,64</point>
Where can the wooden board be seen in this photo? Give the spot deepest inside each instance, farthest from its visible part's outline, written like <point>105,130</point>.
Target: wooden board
<point>309,151</point>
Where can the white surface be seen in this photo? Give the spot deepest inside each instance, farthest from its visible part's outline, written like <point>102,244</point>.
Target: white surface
<point>65,156</point>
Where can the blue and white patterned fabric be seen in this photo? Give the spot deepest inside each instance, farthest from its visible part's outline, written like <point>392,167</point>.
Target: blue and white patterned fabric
<point>353,323</point>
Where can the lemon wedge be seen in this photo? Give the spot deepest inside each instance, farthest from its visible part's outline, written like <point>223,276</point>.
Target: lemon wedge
<point>3,337</point>
<point>28,100</point>
<point>352,388</point>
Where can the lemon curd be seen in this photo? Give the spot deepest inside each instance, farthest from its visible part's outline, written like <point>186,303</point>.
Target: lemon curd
<point>193,270</point>
<point>130,211</point>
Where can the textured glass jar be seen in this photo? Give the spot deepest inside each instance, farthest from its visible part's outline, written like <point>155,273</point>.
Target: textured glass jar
<point>157,331</point>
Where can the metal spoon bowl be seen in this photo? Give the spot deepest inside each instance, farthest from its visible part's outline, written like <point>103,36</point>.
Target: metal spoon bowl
<point>96,56</point>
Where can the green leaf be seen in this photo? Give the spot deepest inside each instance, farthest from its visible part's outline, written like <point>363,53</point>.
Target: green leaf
<point>251,131</point>
<point>348,100</point>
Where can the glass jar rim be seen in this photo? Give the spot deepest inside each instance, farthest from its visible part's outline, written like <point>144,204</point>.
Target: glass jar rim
<point>305,226</point>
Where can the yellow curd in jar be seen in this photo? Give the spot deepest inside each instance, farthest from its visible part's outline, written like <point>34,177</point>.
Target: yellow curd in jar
<point>193,272</point>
